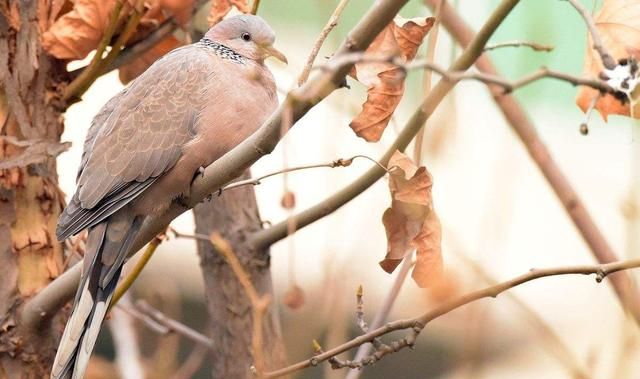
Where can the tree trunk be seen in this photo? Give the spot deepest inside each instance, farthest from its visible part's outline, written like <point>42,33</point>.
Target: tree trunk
<point>30,201</point>
<point>235,215</point>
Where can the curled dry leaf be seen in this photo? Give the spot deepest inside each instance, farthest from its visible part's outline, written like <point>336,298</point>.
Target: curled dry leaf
<point>412,223</point>
<point>294,297</point>
<point>220,8</point>
<point>385,81</point>
<point>618,23</point>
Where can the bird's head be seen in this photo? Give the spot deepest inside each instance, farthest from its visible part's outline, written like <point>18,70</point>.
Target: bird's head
<point>247,35</point>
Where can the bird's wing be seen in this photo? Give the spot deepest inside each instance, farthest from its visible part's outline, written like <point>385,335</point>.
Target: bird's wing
<point>137,137</point>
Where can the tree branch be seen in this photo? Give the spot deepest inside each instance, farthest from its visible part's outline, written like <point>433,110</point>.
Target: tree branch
<point>417,324</point>
<point>39,309</point>
<point>525,130</point>
<point>607,60</point>
<point>532,45</point>
<point>333,164</point>
<point>333,21</point>
<point>162,324</point>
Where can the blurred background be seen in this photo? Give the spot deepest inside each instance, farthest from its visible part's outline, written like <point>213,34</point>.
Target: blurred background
<point>499,216</point>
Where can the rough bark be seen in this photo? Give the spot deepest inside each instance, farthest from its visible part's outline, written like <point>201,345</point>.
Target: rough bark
<point>30,201</point>
<point>235,215</point>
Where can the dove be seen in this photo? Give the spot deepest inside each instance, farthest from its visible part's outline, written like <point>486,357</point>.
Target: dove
<point>143,150</point>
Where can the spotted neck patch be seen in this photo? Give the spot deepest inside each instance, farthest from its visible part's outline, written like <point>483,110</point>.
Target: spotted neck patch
<point>222,51</point>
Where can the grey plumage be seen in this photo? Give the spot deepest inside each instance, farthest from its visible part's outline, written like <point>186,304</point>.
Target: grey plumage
<point>143,149</point>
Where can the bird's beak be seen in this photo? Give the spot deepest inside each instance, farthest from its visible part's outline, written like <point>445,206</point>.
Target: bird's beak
<point>271,51</point>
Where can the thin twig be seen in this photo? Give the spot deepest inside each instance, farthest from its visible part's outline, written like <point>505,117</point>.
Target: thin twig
<point>152,317</point>
<point>333,21</point>
<point>382,313</point>
<point>128,281</point>
<point>123,38</point>
<point>554,342</point>
<point>417,324</point>
<point>427,82</point>
<point>259,303</point>
<point>607,59</point>
<point>584,125</point>
<point>333,164</point>
<point>533,45</point>
<point>255,6</point>
<point>88,75</point>
<point>455,76</point>
<point>360,321</point>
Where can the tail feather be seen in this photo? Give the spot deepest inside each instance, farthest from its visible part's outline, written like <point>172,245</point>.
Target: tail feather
<point>107,246</point>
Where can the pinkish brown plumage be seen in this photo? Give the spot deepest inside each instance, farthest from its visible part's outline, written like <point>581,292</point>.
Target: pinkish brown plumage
<point>144,148</point>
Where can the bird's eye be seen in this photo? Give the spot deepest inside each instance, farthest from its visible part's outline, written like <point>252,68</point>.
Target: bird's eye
<point>246,36</point>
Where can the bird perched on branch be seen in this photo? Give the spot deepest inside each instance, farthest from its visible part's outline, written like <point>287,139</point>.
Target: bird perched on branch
<point>144,148</point>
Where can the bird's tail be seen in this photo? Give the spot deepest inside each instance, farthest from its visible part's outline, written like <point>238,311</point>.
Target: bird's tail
<point>106,249</point>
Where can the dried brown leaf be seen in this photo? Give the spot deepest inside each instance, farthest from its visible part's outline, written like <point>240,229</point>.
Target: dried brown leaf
<point>132,70</point>
<point>618,23</point>
<point>385,81</point>
<point>220,8</point>
<point>412,223</point>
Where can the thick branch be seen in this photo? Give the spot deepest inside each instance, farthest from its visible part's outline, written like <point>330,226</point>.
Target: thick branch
<point>232,164</point>
<point>539,153</point>
<point>417,324</point>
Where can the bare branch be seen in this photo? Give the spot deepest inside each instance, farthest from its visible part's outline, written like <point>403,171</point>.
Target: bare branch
<point>333,21</point>
<point>456,76</point>
<point>333,164</point>
<point>526,131</point>
<point>254,6</point>
<point>533,45</point>
<point>554,343</point>
<point>607,59</point>
<point>417,324</point>
<point>127,282</point>
<point>162,324</point>
<point>382,313</point>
